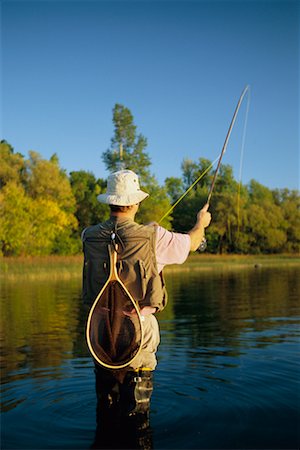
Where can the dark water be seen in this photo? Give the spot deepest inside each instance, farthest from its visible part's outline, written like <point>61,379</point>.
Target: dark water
<point>228,367</point>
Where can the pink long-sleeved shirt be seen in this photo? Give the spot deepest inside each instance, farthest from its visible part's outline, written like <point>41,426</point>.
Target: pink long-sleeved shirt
<point>171,248</point>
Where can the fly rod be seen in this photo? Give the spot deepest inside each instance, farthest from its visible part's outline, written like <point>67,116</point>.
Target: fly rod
<point>226,142</point>
<point>203,244</point>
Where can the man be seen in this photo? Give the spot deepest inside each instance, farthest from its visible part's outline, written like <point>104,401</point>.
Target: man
<point>154,247</point>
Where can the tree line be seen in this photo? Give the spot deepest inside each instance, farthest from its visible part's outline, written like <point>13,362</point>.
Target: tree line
<point>43,210</point>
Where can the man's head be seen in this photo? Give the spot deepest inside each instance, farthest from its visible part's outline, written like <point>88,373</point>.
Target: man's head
<point>123,189</point>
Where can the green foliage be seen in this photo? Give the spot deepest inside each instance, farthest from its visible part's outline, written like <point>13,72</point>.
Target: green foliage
<point>289,203</point>
<point>43,211</point>
<point>154,207</point>
<point>191,171</point>
<point>245,219</point>
<point>86,188</point>
<point>174,188</point>
<point>132,145</point>
<point>36,206</point>
<point>266,225</point>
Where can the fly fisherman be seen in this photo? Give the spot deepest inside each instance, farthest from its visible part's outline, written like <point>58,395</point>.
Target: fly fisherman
<point>157,247</point>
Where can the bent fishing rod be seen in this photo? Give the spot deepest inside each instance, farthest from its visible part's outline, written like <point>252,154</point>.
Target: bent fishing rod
<point>203,244</point>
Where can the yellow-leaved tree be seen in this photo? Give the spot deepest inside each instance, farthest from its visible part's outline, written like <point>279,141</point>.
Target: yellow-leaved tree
<point>36,206</point>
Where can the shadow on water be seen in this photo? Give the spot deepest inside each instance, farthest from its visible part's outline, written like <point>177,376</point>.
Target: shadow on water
<point>227,375</point>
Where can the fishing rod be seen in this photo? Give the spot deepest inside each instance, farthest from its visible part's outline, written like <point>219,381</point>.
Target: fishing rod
<point>226,141</point>
<point>203,244</point>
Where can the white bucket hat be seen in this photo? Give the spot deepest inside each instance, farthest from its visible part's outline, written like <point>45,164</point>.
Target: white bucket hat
<point>123,189</point>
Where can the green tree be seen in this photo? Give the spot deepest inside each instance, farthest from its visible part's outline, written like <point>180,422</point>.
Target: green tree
<point>184,214</point>
<point>135,158</point>
<point>289,202</point>
<point>131,144</point>
<point>223,206</point>
<point>155,206</point>
<point>266,225</point>
<point>174,188</point>
<point>86,188</point>
<point>192,170</point>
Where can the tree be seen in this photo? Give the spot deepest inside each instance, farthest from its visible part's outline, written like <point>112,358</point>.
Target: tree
<point>289,202</point>
<point>155,206</point>
<point>266,225</point>
<point>192,170</point>
<point>174,188</point>
<point>135,158</point>
<point>15,220</point>
<point>36,206</point>
<point>131,144</point>
<point>223,206</point>
<point>46,179</point>
<point>12,166</point>
<point>30,226</point>
<point>86,188</point>
<point>184,214</point>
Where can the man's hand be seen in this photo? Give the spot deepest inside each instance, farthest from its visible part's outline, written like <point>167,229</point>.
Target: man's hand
<point>197,233</point>
<point>145,311</point>
<point>203,216</point>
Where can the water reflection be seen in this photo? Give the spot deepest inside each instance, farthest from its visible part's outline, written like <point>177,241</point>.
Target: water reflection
<point>218,308</point>
<point>39,324</point>
<point>227,375</point>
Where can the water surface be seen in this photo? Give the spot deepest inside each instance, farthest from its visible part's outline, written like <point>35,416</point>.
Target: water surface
<point>228,367</point>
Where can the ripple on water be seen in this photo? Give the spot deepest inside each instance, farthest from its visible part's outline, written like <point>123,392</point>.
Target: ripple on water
<point>201,390</point>
<point>48,410</point>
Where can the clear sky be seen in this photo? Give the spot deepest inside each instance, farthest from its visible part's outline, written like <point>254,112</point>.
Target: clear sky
<point>179,66</point>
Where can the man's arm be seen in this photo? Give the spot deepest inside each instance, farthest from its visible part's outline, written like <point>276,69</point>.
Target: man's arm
<point>198,231</point>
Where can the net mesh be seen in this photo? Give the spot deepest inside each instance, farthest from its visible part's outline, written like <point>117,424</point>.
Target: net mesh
<point>115,332</point>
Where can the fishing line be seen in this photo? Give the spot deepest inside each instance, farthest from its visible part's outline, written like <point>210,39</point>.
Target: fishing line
<point>242,161</point>
<point>226,141</point>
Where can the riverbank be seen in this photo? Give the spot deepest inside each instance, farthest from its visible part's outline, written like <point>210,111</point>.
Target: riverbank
<point>66,267</point>
<point>40,267</point>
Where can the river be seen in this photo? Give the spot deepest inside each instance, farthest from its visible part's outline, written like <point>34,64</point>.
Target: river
<point>227,376</point>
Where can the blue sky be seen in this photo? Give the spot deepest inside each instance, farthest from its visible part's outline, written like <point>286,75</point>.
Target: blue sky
<point>179,66</point>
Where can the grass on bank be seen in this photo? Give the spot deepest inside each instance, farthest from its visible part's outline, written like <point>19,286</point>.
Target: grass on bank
<point>66,267</point>
<point>40,267</point>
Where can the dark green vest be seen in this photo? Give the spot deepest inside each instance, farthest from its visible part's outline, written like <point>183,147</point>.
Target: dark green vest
<point>137,266</point>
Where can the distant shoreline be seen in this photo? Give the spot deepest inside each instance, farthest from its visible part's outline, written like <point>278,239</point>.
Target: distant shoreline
<point>68,267</point>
